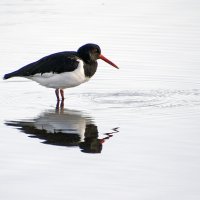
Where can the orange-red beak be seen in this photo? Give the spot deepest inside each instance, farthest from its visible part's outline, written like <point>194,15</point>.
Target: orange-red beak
<point>108,61</point>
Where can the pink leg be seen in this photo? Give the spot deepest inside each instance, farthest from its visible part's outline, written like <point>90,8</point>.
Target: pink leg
<point>57,94</point>
<point>62,94</point>
<point>60,107</point>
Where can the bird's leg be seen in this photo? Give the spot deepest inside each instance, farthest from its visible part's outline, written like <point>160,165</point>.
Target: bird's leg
<point>62,94</point>
<point>59,107</point>
<point>57,94</point>
<point>62,106</point>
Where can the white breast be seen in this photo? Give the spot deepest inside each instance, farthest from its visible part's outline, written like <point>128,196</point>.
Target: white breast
<point>69,122</point>
<point>62,80</point>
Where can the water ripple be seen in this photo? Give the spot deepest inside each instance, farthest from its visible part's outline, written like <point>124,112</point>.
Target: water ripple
<point>147,98</point>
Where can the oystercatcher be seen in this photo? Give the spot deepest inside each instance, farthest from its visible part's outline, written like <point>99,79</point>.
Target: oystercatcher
<point>63,69</point>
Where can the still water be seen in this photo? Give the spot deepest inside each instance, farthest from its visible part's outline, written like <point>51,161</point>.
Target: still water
<point>131,133</point>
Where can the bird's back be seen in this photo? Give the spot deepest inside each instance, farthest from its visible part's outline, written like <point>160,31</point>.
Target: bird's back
<point>55,63</point>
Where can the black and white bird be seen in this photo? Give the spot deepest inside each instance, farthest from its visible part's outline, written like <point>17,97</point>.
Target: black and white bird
<point>63,69</point>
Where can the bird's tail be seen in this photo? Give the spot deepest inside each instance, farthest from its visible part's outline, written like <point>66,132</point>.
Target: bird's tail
<point>9,75</point>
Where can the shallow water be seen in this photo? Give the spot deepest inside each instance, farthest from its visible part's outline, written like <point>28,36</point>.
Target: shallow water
<point>131,133</point>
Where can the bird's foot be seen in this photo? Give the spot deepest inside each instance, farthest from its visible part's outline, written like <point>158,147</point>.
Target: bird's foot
<point>60,106</point>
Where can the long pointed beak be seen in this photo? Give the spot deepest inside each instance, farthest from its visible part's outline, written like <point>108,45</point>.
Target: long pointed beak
<point>108,61</point>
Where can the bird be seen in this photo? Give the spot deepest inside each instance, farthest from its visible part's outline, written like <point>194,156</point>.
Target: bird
<point>64,69</point>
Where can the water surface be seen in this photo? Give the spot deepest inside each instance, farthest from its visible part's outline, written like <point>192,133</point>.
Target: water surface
<point>131,133</point>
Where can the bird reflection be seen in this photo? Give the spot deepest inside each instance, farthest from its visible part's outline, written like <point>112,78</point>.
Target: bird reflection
<point>64,127</point>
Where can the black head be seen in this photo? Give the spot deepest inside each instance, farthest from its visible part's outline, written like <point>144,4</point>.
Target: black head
<point>91,52</point>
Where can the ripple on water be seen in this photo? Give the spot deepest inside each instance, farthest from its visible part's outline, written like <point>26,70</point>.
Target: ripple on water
<point>147,98</point>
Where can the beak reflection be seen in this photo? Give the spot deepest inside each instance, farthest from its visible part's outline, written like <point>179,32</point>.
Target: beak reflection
<point>64,127</point>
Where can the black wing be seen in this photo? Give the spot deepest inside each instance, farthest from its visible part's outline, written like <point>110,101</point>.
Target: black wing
<point>56,63</point>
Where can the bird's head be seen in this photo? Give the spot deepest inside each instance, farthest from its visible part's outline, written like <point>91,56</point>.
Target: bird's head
<point>91,52</point>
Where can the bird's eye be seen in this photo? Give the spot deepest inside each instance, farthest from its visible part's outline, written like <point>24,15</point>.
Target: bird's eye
<point>95,50</point>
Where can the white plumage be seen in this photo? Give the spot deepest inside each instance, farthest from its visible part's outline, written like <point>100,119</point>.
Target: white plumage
<point>63,69</point>
<point>62,80</point>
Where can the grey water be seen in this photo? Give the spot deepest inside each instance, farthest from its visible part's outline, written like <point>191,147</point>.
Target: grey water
<point>131,133</point>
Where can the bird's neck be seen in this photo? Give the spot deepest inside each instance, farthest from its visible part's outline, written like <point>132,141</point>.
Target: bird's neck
<point>90,68</point>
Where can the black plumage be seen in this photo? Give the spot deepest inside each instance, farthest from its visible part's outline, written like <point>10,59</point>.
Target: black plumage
<point>81,66</point>
<point>56,63</point>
